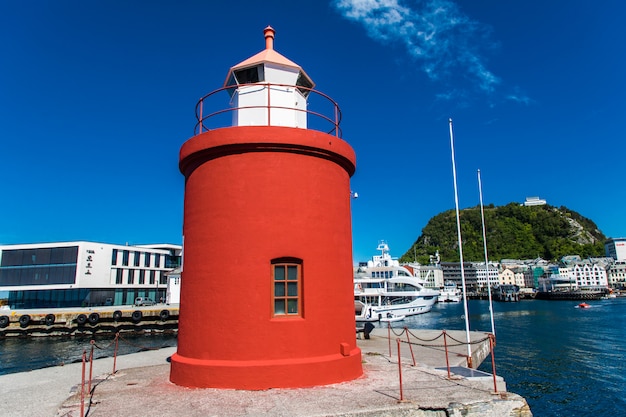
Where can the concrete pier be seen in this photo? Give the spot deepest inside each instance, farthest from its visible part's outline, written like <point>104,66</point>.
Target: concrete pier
<point>141,387</point>
<point>67,321</point>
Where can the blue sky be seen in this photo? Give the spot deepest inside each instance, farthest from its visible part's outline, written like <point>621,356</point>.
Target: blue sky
<point>96,99</point>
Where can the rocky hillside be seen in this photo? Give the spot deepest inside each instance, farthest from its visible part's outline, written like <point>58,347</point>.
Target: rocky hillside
<point>513,232</point>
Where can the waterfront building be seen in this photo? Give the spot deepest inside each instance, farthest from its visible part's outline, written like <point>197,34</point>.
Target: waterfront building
<point>431,275</point>
<point>616,275</point>
<point>482,272</point>
<point>506,277</point>
<point>589,275</point>
<point>452,272</point>
<point>84,274</point>
<point>616,248</point>
<point>267,294</point>
<point>529,277</point>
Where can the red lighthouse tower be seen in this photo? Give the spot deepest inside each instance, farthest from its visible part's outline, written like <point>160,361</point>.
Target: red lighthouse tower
<point>267,282</point>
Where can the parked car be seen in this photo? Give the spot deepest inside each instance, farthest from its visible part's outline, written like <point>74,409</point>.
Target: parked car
<point>143,301</point>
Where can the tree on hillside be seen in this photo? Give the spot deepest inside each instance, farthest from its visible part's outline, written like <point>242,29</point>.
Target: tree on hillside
<point>513,231</point>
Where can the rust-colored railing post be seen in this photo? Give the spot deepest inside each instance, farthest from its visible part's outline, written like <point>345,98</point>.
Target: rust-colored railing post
<point>201,121</point>
<point>117,337</point>
<point>493,362</point>
<point>90,366</point>
<point>82,386</point>
<point>269,105</point>
<point>400,371</point>
<point>445,347</point>
<point>389,337</point>
<point>408,340</point>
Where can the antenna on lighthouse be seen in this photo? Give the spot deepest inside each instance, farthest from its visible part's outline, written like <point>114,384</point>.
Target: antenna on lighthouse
<point>269,33</point>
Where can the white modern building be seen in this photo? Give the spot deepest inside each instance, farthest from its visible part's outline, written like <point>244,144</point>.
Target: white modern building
<point>534,201</point>
<point>616,248</point>
<point>74,274</point>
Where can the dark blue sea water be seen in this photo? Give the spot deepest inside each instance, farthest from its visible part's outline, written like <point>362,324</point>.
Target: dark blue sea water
<point>26,354</point>
<point>565,361</point>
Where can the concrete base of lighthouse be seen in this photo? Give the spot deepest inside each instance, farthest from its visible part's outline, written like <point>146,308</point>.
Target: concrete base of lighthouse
<point>260,375</point>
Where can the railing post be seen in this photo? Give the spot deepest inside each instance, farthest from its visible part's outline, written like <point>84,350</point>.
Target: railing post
<point>117,336</point>
<point>201,121</point>
<point>389,337</point>
<point>445,346</point>
<point>90,366</point>
<point>269,106</point>
<point>408,340</point>
<point>493,363</point>
<point>400,371</point>
<point>82,386</point>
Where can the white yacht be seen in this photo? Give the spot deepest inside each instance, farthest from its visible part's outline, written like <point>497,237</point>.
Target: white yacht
<point>388,290</point>
<point>450,293</point>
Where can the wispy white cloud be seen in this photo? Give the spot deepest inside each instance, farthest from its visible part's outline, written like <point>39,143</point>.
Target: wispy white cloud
<point>436,33</point>
<point>519,98</point>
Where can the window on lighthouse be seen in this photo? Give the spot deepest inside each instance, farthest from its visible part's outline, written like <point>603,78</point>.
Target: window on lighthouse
<point>287,287</point>
<point>250,75</point>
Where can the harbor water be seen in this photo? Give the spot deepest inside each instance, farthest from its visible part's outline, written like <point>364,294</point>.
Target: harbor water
<point>25,354</point>
<point>564,360</point>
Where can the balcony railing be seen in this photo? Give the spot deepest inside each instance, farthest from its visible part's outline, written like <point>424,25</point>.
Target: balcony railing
<point>323,113</point>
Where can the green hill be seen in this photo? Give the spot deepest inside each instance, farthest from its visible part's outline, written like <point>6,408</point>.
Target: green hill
<point>513,232</point>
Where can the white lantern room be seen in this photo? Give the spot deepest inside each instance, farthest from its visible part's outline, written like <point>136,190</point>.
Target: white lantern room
<point>268,89</point>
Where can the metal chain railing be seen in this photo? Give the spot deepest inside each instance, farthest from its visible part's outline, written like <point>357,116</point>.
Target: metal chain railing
<point>88,359</point>
<point>427,342</point>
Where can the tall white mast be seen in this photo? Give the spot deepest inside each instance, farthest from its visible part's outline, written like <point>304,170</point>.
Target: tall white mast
<point>458,228</point>
<point>482,216</point>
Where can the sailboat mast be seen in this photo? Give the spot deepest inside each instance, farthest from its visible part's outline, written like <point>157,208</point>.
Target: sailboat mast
<point>458,227</point>
<point>482,216</point>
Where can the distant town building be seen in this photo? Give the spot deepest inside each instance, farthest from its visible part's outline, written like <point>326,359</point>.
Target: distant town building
<point>432,275</point>
<point>506,277</point>
<point>534,201</point>
<point>513,276</point>
<point>482,272</point>
<point>616,248</point>
<point>452,272</point>
<point>616,275</point>
<point>589,275</point>
<point>75,274</point>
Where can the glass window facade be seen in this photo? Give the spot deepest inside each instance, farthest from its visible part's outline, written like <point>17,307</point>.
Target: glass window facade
<point>125,258</point>
<point>40,266</point>
<point>79,297</point>
<point>172,262</point>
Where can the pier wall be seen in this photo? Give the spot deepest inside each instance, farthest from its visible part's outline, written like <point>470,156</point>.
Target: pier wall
<point>58,322</point>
